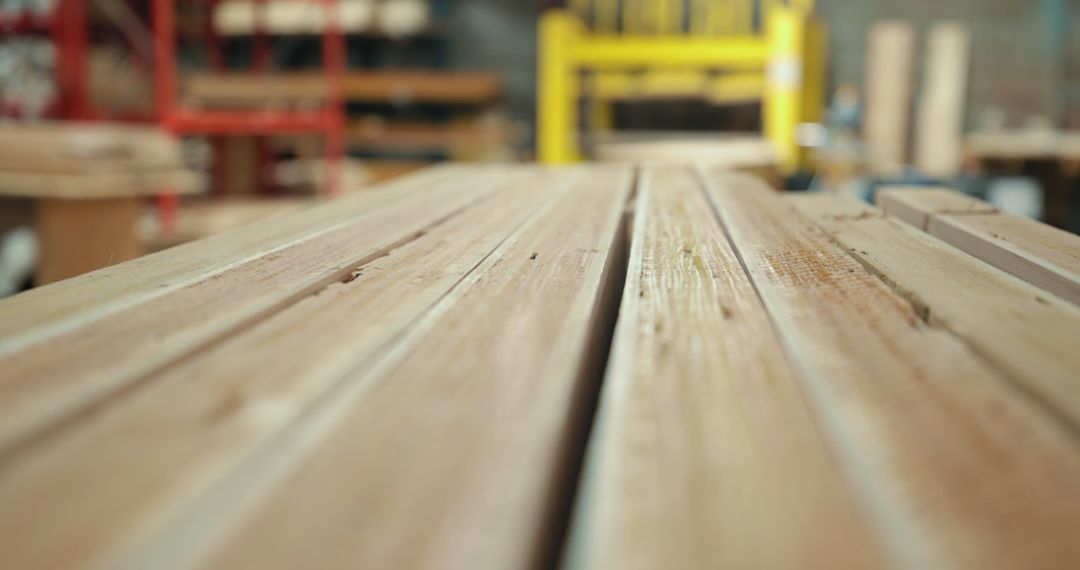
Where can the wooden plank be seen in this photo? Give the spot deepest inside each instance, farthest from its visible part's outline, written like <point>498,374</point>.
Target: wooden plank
<point>681,149</point>
<point>938,144</point>
<point>469,423</point>
<point>246,89</point>
<point>456,137</point>
<point>390,18</point>
<point>917,205</point>
<point>75,147</point>
<point>1040,254</point>
<point>1030,144</point>
<point>1029,334</point>
<point>40,313</point>
<point>79,236</point>
<point>76,186</point>
<point>200,219</point>
<point>38,389</point>
<point>240,173</point>
<point>705,453</point>
<point>954,469</point>
<point>888,86</point>
<point>192,425</point>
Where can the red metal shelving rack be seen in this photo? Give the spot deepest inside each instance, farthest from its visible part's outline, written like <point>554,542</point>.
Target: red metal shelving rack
<point>68,26</point>
<point>56,26</point>
<point>328,121</point>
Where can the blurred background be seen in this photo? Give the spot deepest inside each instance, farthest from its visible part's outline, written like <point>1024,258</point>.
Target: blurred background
<point>130,126</point>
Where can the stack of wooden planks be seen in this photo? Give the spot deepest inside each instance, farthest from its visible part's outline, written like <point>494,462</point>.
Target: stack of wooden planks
<point>86,160</point>
<point>518,367</point>
<point>277,89</point>
<point>87,180</point>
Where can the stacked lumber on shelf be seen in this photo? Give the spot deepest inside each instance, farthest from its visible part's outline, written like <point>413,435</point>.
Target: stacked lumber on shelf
<point>87,181</point>
<point>276,89</point>
<point>510,366</point>
<point>89,159</point>
<point>293,17</point>
<point>475,132</point>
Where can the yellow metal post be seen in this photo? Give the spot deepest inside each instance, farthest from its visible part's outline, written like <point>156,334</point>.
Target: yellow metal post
<point>783,103</point>
<point>557,112</point>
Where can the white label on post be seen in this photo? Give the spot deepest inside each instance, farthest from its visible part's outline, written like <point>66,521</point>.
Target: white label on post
<point>785,72</point>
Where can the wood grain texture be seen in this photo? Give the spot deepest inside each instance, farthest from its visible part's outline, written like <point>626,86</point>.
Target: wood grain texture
<point>466,424</point>
<point>404,378</point>
<point>1040,254</point>
<point>46,311</point>
<point>190,427</point>
<point>954,468</point>
<point>917,205</point>
<point>705,453</point>
<point>38,389</point>
<point>1029,334</point>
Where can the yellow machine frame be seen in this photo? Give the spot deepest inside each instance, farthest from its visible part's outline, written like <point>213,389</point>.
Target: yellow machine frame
<point>636,48</point>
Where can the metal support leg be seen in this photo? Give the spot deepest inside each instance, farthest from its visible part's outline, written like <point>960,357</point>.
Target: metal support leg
<point>786,82</point>
<point>557,113</point>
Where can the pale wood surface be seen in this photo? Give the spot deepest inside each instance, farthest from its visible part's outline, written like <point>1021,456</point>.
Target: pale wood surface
<point>406,378</point>
<point>917,205</point>
<point>1022,145</point>
<point>246,89</point>
<point>921,424</point>
<point>74,147</point>
<point>223,405</point>
<point>205,218</point>
<point>1042,255</point>
<point>684,149</point>
<point>73,303</point>
<point>78,236</point>
<point>887,94</point>
<point>940,120</point>
<point>705,454</point>
<point>91,160</point>
<point>94,185</point>
<point>37,388</point>
<point>510,383</point>
<point>1029,334</point>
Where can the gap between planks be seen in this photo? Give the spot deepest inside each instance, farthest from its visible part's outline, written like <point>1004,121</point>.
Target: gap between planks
<point>504,522</point>
<point>701,419</point>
